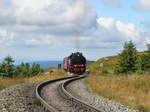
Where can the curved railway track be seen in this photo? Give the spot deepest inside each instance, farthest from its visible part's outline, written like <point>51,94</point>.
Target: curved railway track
<point>55,98</point>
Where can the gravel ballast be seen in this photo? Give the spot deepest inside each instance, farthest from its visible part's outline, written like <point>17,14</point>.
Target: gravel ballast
<point>19,98</point>
<point>80,91</point>
<point>54,98</point>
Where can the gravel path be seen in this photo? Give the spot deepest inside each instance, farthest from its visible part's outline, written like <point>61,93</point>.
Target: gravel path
<point>80,91</point>
<point>19,98</point>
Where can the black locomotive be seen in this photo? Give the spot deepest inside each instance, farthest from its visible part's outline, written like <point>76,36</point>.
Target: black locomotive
<point>75,63</point>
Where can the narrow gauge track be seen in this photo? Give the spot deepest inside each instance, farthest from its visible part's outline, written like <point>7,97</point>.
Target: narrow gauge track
<point>55,98</point>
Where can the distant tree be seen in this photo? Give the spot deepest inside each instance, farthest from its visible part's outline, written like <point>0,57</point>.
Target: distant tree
<point>27,66</point>
<point>8,60</point>
<point>7,67</point>
<point>148,47</point>
<point>17,71</point>
<point>127,59</point>
<point>22,70</point>
<point>35,69</point>
<point>143,64</point>
<point>139,65</point>
<point>1,69</point>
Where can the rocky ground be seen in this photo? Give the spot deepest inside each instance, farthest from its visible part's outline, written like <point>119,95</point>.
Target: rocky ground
<point>80,91</point>
<point>20,98</point>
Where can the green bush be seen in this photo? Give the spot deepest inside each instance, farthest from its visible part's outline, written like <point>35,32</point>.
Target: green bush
<point>104,72</point>
<point>148,47</point>
<point>127,59</point>
<point>130,62</point>
<point>7,69</point>
<point>143,64</point>
<point>37,102</point>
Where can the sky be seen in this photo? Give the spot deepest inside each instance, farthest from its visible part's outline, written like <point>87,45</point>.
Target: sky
<point>52,29</point>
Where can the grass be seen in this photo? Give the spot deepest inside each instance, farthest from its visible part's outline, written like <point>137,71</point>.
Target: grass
<point>7,82</point>
<point>37,102</point>
<point>131,90</point>
<point>103,64</point>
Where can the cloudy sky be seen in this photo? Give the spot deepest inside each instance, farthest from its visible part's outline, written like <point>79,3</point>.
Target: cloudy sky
<point>52,29</point>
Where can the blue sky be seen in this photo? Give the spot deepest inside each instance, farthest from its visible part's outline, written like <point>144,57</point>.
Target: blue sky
<point>127,11</point>
<point>52,29</point>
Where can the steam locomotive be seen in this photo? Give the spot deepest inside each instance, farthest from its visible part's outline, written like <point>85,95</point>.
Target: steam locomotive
<point>75,63</point>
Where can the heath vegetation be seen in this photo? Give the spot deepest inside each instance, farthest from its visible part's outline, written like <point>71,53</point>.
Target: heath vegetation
<point>8,81</point>
<point>8,69</point>
<point>124,78</point>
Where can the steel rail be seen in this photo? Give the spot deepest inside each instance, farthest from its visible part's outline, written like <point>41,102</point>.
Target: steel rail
<point>64,94</point>
<point>81,104</point>
<point>39,97</point>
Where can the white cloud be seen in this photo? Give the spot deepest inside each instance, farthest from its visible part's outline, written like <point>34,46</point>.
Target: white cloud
<point>51,13</point>
<point>7,12</point>
<point>144,5</point>
<point>66,18</point>
<point>53,17</point>
<point>26,28</point>
<point>44,24</point>
<point>106,22</point>
<point>109,34</point>
<point>114,30</point>
<point>44,40</point>
<point>34,20</point>
<point>147,40</point>
<point>129,30</point>
<point>6,38</point>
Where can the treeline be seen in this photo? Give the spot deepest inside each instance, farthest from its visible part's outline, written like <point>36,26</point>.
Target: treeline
<point>131,61</point>
<point>8,69</point>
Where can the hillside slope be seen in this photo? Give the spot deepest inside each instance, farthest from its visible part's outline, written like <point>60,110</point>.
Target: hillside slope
<point>131,90</point>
